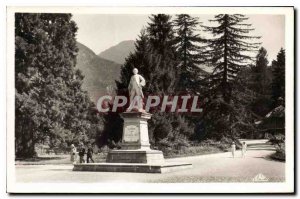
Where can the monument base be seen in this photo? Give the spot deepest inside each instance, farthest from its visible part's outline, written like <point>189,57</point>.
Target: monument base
<point>138,161</point>
<point>135,156</point>
<point>132,167</point>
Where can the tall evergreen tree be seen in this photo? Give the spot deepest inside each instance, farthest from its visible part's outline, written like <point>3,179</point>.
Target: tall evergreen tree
<point>278,82</point>
<point>189,51</point>
<point>163,79</point>
<point>260,83</point>
<point>228,53</point>
<point>260,72</point>
<point>162,54</point>
<point>49,99</point>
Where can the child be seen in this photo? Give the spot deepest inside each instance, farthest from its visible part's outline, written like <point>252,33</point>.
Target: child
<point>233,149</point>
<point>244,149</point>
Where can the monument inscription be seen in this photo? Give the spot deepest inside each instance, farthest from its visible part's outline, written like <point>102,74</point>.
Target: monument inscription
<point>131,133</point>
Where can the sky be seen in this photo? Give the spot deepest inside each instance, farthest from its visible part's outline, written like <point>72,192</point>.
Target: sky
<point>100,32</point>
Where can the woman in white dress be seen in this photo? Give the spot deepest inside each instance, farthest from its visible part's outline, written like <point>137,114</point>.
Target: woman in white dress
<point>233,148</point>
<point>244,149</point>
<point>73,153</point>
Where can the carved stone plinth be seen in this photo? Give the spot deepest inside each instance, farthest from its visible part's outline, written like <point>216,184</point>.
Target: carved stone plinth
<point>135,142</point>
<point>136,156</point>
<point>135,130</point>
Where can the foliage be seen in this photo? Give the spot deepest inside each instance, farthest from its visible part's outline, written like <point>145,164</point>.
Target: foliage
<point>169,54</point>
<point>228,53</point>
<point>259,81</point>
<point>191,148</point>
<point>273,122</point>
<point>162,55</point>
<point>49,99</point>
<point>52,108</point>
<point>259,72</point>
<point>187,44</point>
<point>278,83</point>
<point>278,141</point>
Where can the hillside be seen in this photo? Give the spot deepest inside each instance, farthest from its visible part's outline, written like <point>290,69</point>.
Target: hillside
<point>100,74</point>
<point>119,52</point>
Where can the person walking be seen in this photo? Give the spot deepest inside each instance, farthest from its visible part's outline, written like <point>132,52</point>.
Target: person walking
<point>73,153</point>
<point>233,148</point>
<point>89,155</point>
<point>81,153</point>
<point>244,149</point>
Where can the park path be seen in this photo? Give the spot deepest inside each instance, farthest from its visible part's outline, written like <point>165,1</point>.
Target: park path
<point>219,167</point>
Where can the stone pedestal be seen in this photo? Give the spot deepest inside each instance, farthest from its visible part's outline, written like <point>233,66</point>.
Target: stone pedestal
<point>135,154</point>
<point>135,142</point>
<point>135,131</point>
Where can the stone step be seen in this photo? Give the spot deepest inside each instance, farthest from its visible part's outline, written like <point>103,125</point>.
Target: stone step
<point>132,167</point>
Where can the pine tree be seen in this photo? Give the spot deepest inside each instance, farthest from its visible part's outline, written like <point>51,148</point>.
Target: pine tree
<point>260,83</point>
<point>163,79</point>
<point>259,73</point>
<point>278,82</point>
<point>49,99</point>
<point>162,55</point>
<point>228,52</point>
<point>189,51</point>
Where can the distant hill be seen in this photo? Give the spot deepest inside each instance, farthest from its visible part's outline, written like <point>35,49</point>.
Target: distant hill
<point>100,74</point>
<point>119,52</point>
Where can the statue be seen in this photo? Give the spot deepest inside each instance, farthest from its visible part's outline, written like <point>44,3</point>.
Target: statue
<point>135,91</point>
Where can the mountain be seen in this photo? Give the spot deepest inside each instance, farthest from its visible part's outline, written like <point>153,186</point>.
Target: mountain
<point>100,74</point>
<point>119,52</point>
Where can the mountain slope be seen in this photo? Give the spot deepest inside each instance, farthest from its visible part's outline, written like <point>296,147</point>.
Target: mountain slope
<point>119,52</point>
<point>100,74</point>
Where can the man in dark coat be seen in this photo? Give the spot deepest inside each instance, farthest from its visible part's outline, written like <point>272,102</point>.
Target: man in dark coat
<point>81,152</point>
<point>89,155</point>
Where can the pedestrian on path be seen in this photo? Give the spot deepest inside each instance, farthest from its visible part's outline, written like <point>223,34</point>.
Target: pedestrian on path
<point>81,153</point>
<point>73,154</point>
<point>89,155</point>
<point>233,148</point>
<point>244,149</point>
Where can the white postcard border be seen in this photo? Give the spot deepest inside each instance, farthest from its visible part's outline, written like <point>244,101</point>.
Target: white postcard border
<point>288,186</point>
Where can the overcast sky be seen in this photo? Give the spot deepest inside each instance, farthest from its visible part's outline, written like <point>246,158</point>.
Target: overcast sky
<point>100,32</point>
